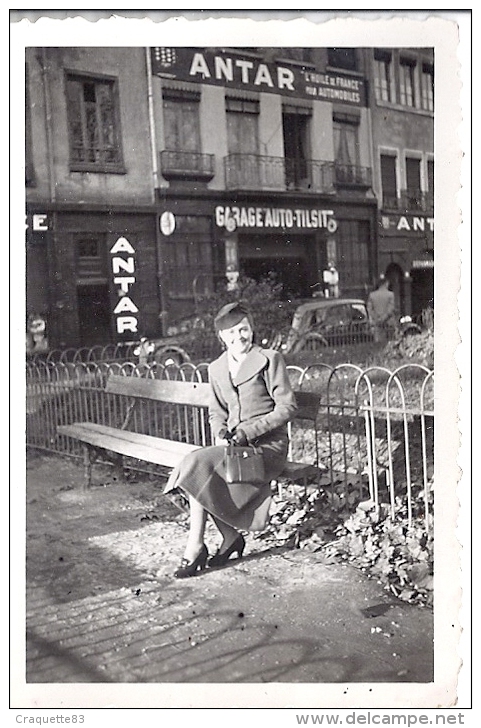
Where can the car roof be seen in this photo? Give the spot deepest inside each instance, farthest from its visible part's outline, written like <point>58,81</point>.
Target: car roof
<point>327,303</point>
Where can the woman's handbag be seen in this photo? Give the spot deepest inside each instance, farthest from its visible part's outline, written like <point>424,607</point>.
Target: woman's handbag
<point>244,473</point>
<point>244,464</point>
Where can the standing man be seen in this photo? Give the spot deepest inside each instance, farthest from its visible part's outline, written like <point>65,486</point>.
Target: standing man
<point>380,305</point>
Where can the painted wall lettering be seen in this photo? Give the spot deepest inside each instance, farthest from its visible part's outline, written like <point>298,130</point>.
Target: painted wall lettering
<point>123,266</point>
<point>219,67</point>
<point>274,217</point>
<point>408,223</point>
<point>40,222</point>
<point>415,223</point>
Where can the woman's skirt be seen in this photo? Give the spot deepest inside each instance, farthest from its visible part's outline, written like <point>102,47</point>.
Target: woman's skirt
<point>201,474</point>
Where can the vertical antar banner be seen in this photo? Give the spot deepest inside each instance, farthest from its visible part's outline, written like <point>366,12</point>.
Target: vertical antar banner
<point>123,266</point>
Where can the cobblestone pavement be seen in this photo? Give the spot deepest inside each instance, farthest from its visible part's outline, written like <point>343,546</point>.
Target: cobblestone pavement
<point>102,606</point>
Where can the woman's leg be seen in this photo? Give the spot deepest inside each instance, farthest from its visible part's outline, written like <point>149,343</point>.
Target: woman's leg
<point>229,533</point>
<point>195,540</point>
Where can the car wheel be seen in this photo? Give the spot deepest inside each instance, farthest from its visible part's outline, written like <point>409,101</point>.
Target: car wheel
<point>311,343</point>
<point>170,357</point>
<point>411,330</point>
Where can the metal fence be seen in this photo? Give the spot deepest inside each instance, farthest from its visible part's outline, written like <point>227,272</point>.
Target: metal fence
<point>374,434</point>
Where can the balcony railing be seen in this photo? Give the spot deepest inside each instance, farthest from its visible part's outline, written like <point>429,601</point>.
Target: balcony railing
<point>254,171</point>
<point>187,165</point>
<point>309,174</point>
<point>350,175</point>
<point>409,201</point>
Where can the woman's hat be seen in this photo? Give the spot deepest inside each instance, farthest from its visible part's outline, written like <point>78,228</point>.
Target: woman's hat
<point>230,315</point>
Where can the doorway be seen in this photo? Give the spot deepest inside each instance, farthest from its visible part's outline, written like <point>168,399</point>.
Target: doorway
<point>94,314</point>
<point>395,277</point>
<point>291,261</point>
<point>422,289</point>
<point>290,273</point>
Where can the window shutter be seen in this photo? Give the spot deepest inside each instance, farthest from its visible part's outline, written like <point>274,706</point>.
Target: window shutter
<point>388,176</point>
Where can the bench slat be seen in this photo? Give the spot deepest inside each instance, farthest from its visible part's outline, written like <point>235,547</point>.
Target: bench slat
<point>164,452</point>
<point>155,450</point>
<point>195,394</point>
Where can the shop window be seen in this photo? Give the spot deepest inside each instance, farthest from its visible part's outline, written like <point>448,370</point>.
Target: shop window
<point>383,87</point>
<point>188,271</point>
<point>94,124</point>
<point>388,181</point>
<point>427,87</point>
<point>406,81</point>
<point>345,58</point>
<point>353,256</point>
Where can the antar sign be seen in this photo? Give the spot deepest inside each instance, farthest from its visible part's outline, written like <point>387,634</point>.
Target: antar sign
<point>123,269</point>
<point>208,66</point>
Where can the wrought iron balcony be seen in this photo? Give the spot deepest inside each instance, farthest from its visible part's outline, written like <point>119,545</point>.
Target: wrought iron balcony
<point>253,172</point>
<point>257,172</point>
<point>350,175</point>
<point>410,201</point>
<point>309,175</point>
<point>187,165</point>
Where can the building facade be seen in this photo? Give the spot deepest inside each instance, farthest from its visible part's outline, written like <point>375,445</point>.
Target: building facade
<point>91,238</point>
<point>264,166</point>
<point>154,174</point>
<point>402,112</point>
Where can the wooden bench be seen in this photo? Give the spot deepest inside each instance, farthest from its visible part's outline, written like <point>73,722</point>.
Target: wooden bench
<point>124,442</point>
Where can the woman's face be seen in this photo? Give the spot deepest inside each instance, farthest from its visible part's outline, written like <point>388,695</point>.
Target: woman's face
<point>238,339</point>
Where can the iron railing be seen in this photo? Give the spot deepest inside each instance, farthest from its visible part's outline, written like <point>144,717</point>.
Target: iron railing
<point>374,433</point>
<point>255,171</point>
<point>120,352</point>
<point>409,201</point>
<point>350,175</point>
<point>196,165</point>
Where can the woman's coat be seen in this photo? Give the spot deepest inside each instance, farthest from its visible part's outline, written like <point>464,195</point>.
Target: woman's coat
<point>260,401</point>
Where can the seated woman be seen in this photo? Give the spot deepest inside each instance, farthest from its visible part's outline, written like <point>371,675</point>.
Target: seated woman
<point>251,401</point>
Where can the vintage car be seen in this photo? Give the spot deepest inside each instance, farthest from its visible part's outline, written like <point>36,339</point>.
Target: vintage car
<point>191,339</point>
<point>316,324</point>
<point>334,322</point>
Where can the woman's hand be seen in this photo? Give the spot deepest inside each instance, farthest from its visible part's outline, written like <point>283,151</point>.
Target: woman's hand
<point>221,441</point>
<point>239,438</point>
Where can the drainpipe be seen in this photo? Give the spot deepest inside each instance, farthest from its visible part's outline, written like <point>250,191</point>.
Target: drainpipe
<point>48,126</point>
<point>153,141</point>
<point>155,176</point>
<point>368,64</point>
<point>55,305</point>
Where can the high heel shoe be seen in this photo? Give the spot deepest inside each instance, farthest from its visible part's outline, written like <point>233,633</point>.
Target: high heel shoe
<point>222,557</point>
<point>188,568</point>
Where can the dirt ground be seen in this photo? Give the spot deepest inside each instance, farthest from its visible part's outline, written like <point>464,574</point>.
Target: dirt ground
<point>103,607</point>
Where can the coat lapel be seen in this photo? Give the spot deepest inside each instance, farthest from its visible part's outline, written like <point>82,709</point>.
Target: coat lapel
<point>254,362</point>
<point>220,371</point>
